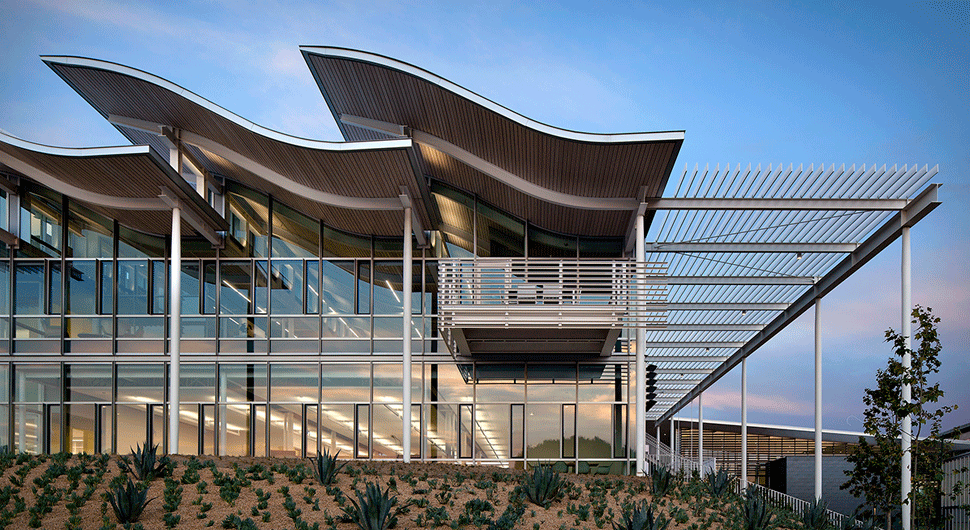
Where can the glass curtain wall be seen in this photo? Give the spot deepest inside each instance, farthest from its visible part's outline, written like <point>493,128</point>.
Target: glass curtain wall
<point>291,343</point>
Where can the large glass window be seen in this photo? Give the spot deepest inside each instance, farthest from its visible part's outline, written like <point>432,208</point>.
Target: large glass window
<point>89,235</point>
<point>132,244</point>
<point>29,281</point>
<point>294,382</point>
<point>338,287</point>
<point>287,287</point>
<point>236,293</point>
<point>141,383</point>
<point>87,382</point>
<point>247,216</point>
<point>457,219</point>
<point>133,287</point>
<point>40,224</point>
<point>197,383</point>
<point>499,234</point>
<point>37,383</point>
<point>294,234</point>
<point>242,382</point>
<point>82,288</point>
<point>545,244</point>
<point>344,244</point>
<point>346,382</point>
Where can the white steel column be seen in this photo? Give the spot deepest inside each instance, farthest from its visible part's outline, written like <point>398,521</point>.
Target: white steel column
<point>818,398</point>
<point>641,405</point>
<point>672,450</point>
<point>907,427</point>
<point>744,420</point>
<point>700,432</point>
<point>406,300</point>
<point>175,310</point>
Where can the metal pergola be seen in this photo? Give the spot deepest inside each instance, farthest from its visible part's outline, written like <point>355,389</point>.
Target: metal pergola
<point>751,250</point>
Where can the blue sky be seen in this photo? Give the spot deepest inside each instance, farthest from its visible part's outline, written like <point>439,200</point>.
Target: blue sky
<point>779,82</point>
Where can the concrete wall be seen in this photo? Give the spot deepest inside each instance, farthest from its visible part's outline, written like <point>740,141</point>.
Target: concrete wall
<point>800,481</point>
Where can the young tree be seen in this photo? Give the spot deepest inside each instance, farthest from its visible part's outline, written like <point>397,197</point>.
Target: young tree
<point>876,475</point>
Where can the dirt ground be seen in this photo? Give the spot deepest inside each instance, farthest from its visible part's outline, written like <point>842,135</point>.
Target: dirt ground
<point>424,488</point>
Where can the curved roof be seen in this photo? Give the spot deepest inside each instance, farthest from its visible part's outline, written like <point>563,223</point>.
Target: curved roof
<point>122,182</point>
<point>480,146</point>
<point>355,186</point>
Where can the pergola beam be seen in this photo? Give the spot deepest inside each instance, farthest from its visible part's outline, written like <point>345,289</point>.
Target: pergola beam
<point>740,280</point>
<point>685,359</point>
<point>714,327</point>
<point>870,205</point>
<point>693,344</point>
<point>751,306</point>
<point>919,207</point>
<point>761,248</point>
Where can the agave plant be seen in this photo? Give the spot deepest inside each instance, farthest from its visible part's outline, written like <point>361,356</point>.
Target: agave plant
<point>144,462</point>
<point>544,486</point>
<point>326,468</point>
<point>373,510</point>
<point>641,517</point>
<point>718,483</point>
<point>815,516</point>
<point>661,480</point>
<point>128,502</point>
<point>755,513</point>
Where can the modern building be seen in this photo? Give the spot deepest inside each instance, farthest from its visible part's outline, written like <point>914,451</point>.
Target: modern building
<point>454,282</point>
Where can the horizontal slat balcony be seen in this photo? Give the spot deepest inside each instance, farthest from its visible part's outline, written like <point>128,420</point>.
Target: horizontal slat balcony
<point>551,293</point>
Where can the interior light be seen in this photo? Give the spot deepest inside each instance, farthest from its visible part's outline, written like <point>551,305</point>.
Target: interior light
<point>799,255</point>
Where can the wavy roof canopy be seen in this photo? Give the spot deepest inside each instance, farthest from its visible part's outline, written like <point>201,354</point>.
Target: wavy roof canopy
<point>357,185</point>
<point>123,183</point>
<point>374,87</point>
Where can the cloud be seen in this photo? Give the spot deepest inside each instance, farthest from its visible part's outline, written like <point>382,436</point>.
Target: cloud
<point>731,400</point>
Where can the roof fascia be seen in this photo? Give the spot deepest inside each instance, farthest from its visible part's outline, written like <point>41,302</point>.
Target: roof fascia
<point>393,64</point>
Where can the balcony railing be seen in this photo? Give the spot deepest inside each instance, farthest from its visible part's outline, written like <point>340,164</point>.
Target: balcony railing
<point>551,293</point>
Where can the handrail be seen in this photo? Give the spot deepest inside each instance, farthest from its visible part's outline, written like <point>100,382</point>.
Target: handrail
<point>551,293</point>
<point>784,500</point>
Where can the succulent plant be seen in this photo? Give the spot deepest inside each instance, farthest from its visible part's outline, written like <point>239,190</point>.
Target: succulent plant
<point>326,467</point>
<point>128,502</point>
<point>544,486</point>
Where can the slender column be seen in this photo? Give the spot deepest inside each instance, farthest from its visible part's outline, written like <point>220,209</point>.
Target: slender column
<point>818,398</point>
<point>907,427</point>
<point>641,405</point>
<point>175,303</point>
<point>406,300</point>
<point>700,432</point>
<point>672,449</point>
<point>744,420</point>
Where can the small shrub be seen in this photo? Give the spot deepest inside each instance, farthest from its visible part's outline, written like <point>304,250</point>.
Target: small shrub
<point>375,509</point>
<point>544,486</point>
<point>851,523</point>
<point>128,502</point>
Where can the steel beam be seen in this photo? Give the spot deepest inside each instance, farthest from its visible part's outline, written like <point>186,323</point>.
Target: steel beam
<point>726,307</point>
<point>740,280</point>
<point>872,205</point>
<point>761,248</point>
<point>919,207</point>
<point>685,359</point>
<point>713,327</point>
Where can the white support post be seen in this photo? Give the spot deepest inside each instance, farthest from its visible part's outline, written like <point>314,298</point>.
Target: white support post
<point>175,271</point>
<point>700,432</point>
<point>406,300</point>
<point>907,427</point>
<point>641,404</point>
<point>744,419</point>
<point>672,449</point>
<point>818,398</point>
